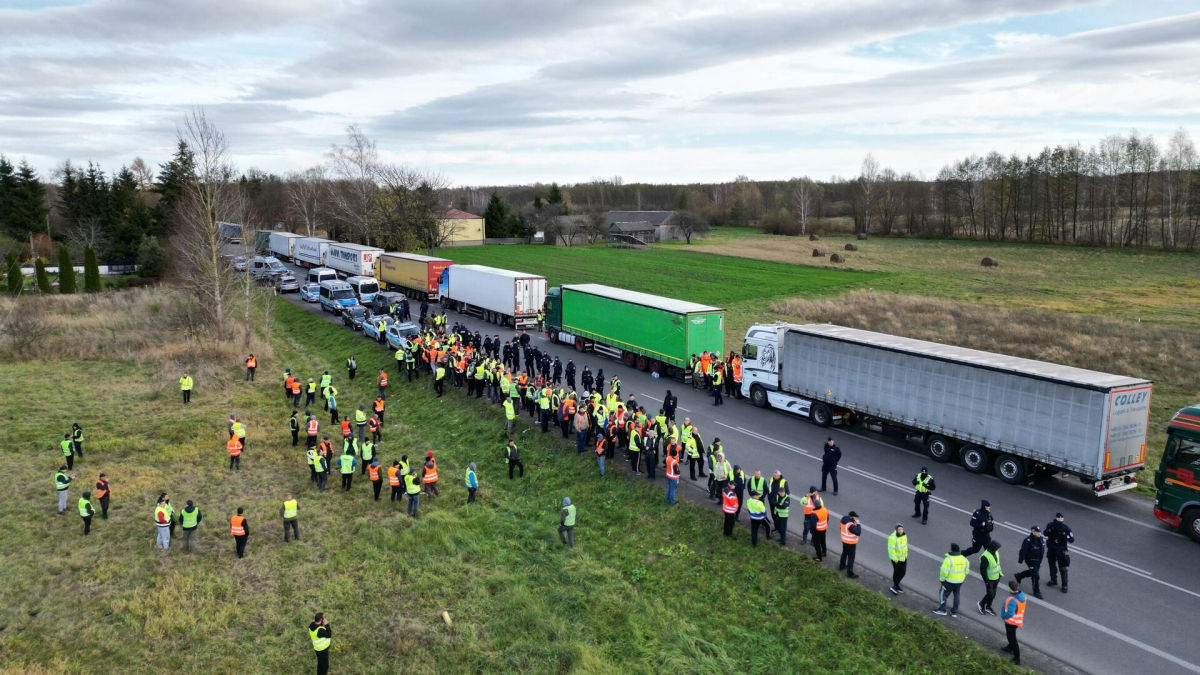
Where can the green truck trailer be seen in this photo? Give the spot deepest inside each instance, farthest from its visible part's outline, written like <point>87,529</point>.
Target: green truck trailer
<point>1178,476</point>
<point>648,332</point>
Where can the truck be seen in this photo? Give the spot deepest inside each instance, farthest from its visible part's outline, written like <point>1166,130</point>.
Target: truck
<point>497,296</point>
<point>648,332</point>
<point>262,242</point>
<point>413,274</point>
<point>310,251</point>
<point>1177,478</point>
<point>1020,418</point>
<point>230,232</point>
<point>352,260</point>
<point>283,244</point>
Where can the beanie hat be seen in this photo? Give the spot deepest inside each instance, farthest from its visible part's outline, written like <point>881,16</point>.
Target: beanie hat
<point>566,501</point>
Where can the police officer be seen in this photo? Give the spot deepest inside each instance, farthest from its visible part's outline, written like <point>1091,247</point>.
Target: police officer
<point>923,486</point>
<point>981,527</point>
<point>1058,535</point>
<point>830,457</point>
<point>1033,549</point>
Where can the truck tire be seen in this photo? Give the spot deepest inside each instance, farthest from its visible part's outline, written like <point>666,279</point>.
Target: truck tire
<point>656,366</point>
<point>628,358</point>
<point>579,344</point>
<point>1190,523</point>
<point>820,414</point>
<point>974,458</point>
<point>940,448</point>
<point>758,396</point>
<point>643,363</point>
<point>1010,469</point>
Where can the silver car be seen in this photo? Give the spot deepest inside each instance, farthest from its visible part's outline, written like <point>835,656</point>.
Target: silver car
<point>287,284</point>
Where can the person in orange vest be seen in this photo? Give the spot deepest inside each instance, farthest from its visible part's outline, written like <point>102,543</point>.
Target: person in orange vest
<point>374,425</point>
<point>239,527</point>
<point>312,427</point>
<point>380,405</point>
<point>431,475</point>
<point>1013,613</point>
<point>673,474</point>
<point>287,383</point>
<point>821,514</point>
<point>383,383</point>
<point>729,504</point>
<point>234,447</point>
<point>851,531</point>
<point>295,392</point>
<point>810,502</point>
<point>251,366</point>
<point>103,493</point>
<point>373,472</point>
<point>393,474</point>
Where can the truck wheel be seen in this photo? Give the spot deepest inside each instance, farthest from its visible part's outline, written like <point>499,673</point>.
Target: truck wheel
<point>758,396</point>
<point>941,449</point>
<point>628,358</point>
<point>820,414</point>
<point>643,363</point>
<point>974,458</point>
<point>1190,523</point>
<point>1010,469</point>
<point>656,366</point>
<point>578,344</point>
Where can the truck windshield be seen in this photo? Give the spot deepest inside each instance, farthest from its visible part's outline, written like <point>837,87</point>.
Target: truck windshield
<point>343,294</point>
<point>1184,453</point>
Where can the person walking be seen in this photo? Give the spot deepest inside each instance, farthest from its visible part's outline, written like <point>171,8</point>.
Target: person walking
<point>310,393</point>
<point>566,523</point>
<point>77,439</point>
<point>294,427</point>
<point>382,382</point>
<point>375,475</point>
<point>923,487</point>
<point>758,516</point>
<point>413,489</point>
<point>581,428</point>
<point>311,428</point>
<point>779,509</point>
<point>830,457</point>
<point>851,530</point>
<point>240,529</point>
<point>439,379</point>
<point>321,468</point>
<point>379,407</point>
<point>471,482</point>
<point>68,451</point>
<point>897,547</point>
<point>346,465</point>
<point>234,447</point>
<point>360,423</point>
<point>189,519</point>
<point>86,511</point>
<point>394,481</point>
<point>290,512</point>
<point>251,366</point>
<point>62,485</point>
<point>351,367</point>
<point>1033,549</point>
<point>103,494</point>
<point>186,384</point>
<point>954,571</point>
<point>1013,613</point>
<point>981,527</point>
<point>990,572</point>
<point>1058,535</point>
<point>297,389</point>
<point>322,636</point>
<point>331,393</point>
<point>729,504</point>
<point>512,457</point>
<point>821,515</point>
<point>810,502</point>
<point>162,523</point>
<point>672,475</point>
<point>602,443</point>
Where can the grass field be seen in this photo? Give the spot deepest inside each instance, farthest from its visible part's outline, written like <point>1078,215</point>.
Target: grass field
<point>647,588</point>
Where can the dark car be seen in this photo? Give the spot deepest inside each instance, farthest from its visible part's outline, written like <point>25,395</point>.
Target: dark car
<point>353,316</point>
<point>384,302</point>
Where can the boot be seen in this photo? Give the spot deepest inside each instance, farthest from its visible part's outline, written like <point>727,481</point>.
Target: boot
<point>1063,572</point>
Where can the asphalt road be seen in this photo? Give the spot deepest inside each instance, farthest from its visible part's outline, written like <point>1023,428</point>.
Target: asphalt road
<point>1134,596</point>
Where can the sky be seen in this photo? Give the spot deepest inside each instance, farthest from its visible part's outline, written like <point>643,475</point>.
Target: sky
<point>489,92</point>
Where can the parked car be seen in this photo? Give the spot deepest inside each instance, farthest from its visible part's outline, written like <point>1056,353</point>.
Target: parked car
<point>354,316</point>
<point>375,326</point>
<point>287,284</point>
<point>310,292</point>
<point>239,263</point>
<point>385,301</point>
<point>397,334</point>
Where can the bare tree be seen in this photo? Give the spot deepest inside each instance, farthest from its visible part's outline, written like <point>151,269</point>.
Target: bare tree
<point>144,175</point>
<point>593,228</point>
<point>689,223</point>
<point>1178,170</point>
<point>805,195</point>
<point>866,181</point>
<point>86,231</point>
<point>409,209</point>
<point>356,165</point>
<point>307,192</point>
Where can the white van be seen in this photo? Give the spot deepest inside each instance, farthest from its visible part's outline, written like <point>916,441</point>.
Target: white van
<point>365,287</point>
<point>318,274</point>
<point>336,295</point>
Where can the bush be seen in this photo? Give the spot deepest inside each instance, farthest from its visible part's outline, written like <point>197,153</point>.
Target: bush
<point>91,271</point>
<point>66,271</point>
<point>151,257</point>
<point>43,279</point>
<point>13,272</point>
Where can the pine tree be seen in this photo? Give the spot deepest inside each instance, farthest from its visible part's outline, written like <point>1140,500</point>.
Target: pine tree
<point>28,203</point>
<point>498,218</point>
<point>66,271</point>
<point>556,195</point>
<point>15,279</point>
<point>173,179</point>
<point>43,279</point>
<point>91,271</point>
<point>8,192</point>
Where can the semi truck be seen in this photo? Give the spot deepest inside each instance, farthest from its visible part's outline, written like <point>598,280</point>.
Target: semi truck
<point>352,260</point>
<point>645,331</point>
<point>262,242</point>
<point>230,232</point>
<point>1017,417</point>
<point>310,251</point>
<point>283,244</point>
<point>1177,478</point>
<point>497,296</point>
<point>413,274</point>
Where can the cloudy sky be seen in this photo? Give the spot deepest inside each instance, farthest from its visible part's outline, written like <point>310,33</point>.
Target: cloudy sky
<point>516,91</point>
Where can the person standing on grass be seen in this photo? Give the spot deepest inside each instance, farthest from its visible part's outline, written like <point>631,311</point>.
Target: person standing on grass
<point>322,636</point>
<point>394,478</point>
<point>103,494</point>
<point>379,408</point>
<point>234,447</point>
<point>821,526</point>
<point>239,430</point>
<point>294,427</point>
<point>830,457</point>
<point>296,387</point>
<point>360,423</point>
<point>989,569</point>
<point>1013,613</point>
<point>471,482</point>
<point>310,393</point>
<point>311,428</point>
<point>367,453</point>
<point>897,547</point>
<point>512,457</point>
<point>186,384</point>
<point>566,523</point>
<point>162,523</point>
<point>346,464</point>
<point>62,485</point>
<point>779,510</point>
<point>413,489</point>
<point>239,527</point>
<point>251,366</point>
<point>672,475</point>
<point>375,474</point>
<point>290,512</point>
<point>851,530</point>
<point>77,439</point>
<point>729,505</point>
<point>758,516</point>
<point>351,367</point>
<point>954,571</point>
<point>86,512</point>
<point>189,519</point>
<point>68,451</point>
<point>430,477</point>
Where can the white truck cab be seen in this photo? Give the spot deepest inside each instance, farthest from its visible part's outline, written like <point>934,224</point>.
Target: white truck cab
<point>762,361</point>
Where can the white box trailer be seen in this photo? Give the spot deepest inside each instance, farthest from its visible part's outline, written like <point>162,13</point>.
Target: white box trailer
<point>282,244</point>
<point>310,251</point>
<point>495,295</point>
<point>352,260</point>
<point>1015,416</point>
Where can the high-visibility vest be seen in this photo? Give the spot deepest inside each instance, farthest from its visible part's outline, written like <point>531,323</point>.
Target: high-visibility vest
<point>373,472</point>
<point>897,547</point>
<point>822,518</point>
<point>312,387</point>
<point>84,507</point>
<point>296,387</point>
<point>848,537</point>
<point>600,443</point>
<point>320,644</point>
<point>469,478</point>
<point>692,450</point>
<point>311,454</point>
<point>360,416</point>
<point>757,509</point>
<point>782,504</point>
<point>61,481</point>
<point>287,383</point>
<point>101,489</point>
<point>993,570</point>
<point>729,502</point>
<point>431,473</point>
<point>290,508</point>
<point>922,484</point>
<point>347,463</point>
<point>368,451</point>
<point>373,424</point>
<point>1018,615</point>
<point>77,435</point>
<point>410,484</point>
<point>809,505</point>
<point>393,473</point>
<point>509,412</point>
<point>955,568</point>
<point>382,379</point>
<point>234,446</point>
<point>186,383</point>
<point>320,465</point>
<point>756,484</point>
<point>189,519</point>
<point>312,426</point>
<point>251,362</point>
<point>66,447</point>
<point>326,380</point>
<point>380,404</point>
<point>672,467</point>
<point>237,526</point>
<point>239,429</point>
<point>441,373</point>
<point>569,518</point>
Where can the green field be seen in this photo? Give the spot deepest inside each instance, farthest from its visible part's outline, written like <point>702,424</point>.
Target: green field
<point>647,588</point>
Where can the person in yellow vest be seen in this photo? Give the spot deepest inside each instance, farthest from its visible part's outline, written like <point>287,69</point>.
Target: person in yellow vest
<point>238,429</point>
<point>186,384</point>
<point>566,523</point>
<point>989,569</point>
<point>322,636</point>
<point>510,414</point>
<point>439,378</point>
<point>1013,613</point>
<point>86,511</point>
<point>954,571</point>
<point>897,546</point>
<point>923,487</point>
<point>360,422</point>
<point>290,512</point>
<point>413,489</point>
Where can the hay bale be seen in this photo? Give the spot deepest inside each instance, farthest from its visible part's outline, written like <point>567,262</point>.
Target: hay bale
<point>862,236</point>
<point>818,253</point>
<point>851,247</point>
<point>836,258</point>
<point>813,237</point>
<point>989,262</point>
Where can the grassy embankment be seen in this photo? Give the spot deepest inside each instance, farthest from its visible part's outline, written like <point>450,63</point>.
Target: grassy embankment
<point>647,588</point>
<point>1130,312</point>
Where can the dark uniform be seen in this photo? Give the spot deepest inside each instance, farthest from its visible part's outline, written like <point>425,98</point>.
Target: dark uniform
<point>1033,549</point>
<point>1058,535</point>
<point>981,528</point>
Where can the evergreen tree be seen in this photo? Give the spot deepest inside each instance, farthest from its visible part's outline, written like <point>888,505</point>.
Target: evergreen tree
<point>28,203</point>
<point>8,192</point>
<point>151,257</point>
<point>15,279</point>
<point>556,195</point>
<point>43,279</point>
<point>131,218</point>
<point>66,271</point>
<point>499,220</point>
<point>173,179</point>
<point>91,271</point>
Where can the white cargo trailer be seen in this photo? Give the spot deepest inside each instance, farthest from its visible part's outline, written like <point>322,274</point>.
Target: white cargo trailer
<point>494,295</point>
<point>1017,417</point>
<point>352,260</point>
<point>282,244</point>
<point>310,251</point>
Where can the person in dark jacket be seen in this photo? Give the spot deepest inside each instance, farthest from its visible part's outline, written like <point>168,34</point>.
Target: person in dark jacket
<point>851,531</point>
<point>1033,549</point>
<point>570,373</point>
<point>923,487</point>
<point>670,403</point>
<point>990,572</point>
<point>1058,535</point>
<point>829,462</point>
<point>322,636</point>
<point>981,527</point>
